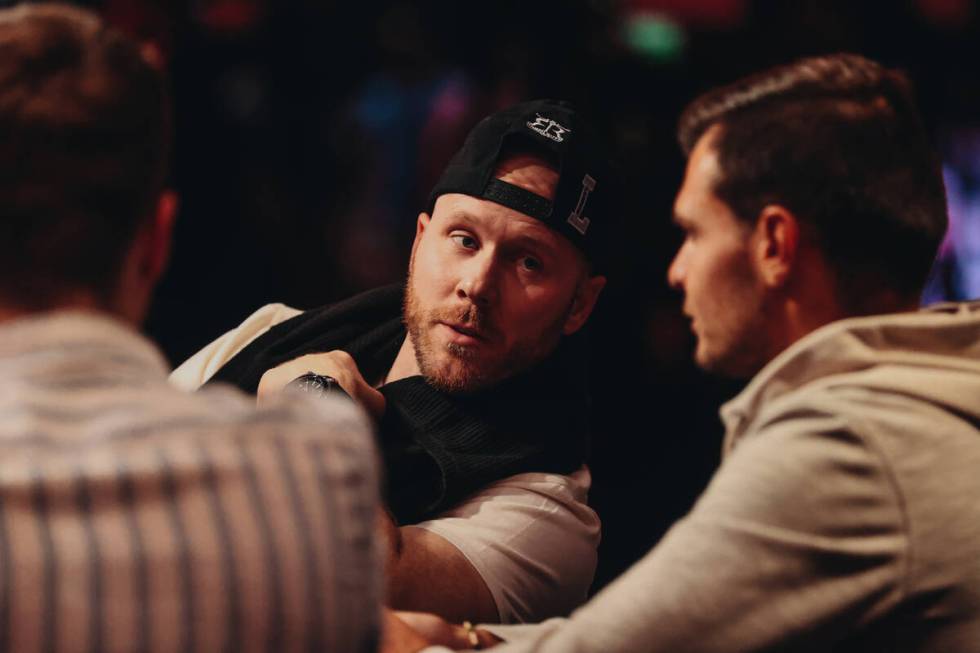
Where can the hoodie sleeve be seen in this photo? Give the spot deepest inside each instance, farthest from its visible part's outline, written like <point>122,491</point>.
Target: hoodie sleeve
<point>798,542</point>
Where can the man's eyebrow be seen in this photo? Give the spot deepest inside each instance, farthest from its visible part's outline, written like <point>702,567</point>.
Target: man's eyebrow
<point>460,215</point>
<point>536,244</point>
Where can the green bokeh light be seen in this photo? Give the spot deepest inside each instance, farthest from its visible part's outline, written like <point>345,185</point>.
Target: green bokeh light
<point>655,36</point>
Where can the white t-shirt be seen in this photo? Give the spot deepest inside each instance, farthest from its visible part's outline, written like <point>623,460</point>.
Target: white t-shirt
<point>532,537</point>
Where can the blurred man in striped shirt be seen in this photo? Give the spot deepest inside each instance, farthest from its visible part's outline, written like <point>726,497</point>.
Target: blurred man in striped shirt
<point>135,517</point>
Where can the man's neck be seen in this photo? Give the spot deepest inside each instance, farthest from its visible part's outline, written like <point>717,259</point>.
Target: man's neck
<point>11,313</point>
<point>405,364</point>
<point>75,301</point>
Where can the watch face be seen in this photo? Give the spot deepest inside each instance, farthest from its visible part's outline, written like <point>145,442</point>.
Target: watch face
<point>313,385</point>
<point>316,384</point>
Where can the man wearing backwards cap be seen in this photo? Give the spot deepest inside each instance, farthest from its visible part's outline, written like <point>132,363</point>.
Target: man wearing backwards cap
<point>472,370</point>
<point>845,515</point>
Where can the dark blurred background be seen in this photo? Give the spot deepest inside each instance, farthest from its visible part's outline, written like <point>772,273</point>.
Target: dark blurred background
<point>309,134</point>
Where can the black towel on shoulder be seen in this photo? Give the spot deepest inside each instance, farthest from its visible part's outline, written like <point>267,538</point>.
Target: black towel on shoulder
<point>437,448</point>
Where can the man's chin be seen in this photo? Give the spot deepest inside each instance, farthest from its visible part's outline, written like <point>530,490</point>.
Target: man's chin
<point>702,359</point>
<point>710,361</point>
<point>458,377</point>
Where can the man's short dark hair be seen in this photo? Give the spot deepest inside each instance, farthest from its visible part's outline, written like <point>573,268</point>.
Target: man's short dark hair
<point>84,140</point>
<point>838,141</point>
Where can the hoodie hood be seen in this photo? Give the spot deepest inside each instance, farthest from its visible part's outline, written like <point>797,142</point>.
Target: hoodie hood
<point>932,354</point>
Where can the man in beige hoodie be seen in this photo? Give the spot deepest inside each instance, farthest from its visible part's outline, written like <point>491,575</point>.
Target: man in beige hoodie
<point>846,513</point>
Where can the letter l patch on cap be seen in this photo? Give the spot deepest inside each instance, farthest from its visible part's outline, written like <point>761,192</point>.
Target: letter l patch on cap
<point>576,217</point>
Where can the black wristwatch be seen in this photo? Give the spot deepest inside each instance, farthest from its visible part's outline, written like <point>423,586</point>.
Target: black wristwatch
<point>318,385</point>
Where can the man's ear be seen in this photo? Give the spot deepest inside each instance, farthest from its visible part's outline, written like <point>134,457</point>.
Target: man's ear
<point>585,298</point>
<point>420,226</point>
<point>157,237</point>
<point>775,245</point>
<point>145,261</point>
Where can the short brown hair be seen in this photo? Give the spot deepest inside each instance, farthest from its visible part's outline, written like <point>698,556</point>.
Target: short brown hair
<point>85,124</point>
<point>838,141</point>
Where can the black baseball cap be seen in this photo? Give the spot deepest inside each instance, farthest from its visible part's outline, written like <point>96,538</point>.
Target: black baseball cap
<point>582,209</point>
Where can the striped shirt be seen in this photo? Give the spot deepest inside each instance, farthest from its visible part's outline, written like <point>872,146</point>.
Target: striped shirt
<point>136,517</point>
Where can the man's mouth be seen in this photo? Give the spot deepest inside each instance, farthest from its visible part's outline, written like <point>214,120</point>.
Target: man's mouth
<point>466,330</point>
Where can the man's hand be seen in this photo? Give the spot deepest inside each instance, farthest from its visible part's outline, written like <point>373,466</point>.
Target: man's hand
<point>438,631</point>
<point>337,364</point>
<point>397,637</point>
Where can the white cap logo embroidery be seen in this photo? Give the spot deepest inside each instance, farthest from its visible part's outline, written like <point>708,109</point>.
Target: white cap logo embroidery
<point>548,128</point>
<point>577,217</point>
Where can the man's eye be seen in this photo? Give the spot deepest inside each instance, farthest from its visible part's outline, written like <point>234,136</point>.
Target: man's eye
<point>530,264</point>
<point>464,241</point>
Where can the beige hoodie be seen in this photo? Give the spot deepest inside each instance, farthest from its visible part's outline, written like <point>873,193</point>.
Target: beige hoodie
<point>844,517</point>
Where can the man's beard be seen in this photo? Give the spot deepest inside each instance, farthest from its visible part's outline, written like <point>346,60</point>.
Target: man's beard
<point>470,368</point>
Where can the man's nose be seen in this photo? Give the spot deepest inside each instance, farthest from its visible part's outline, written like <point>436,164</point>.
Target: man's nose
<point>478,279</point>
<point>676,271</point>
